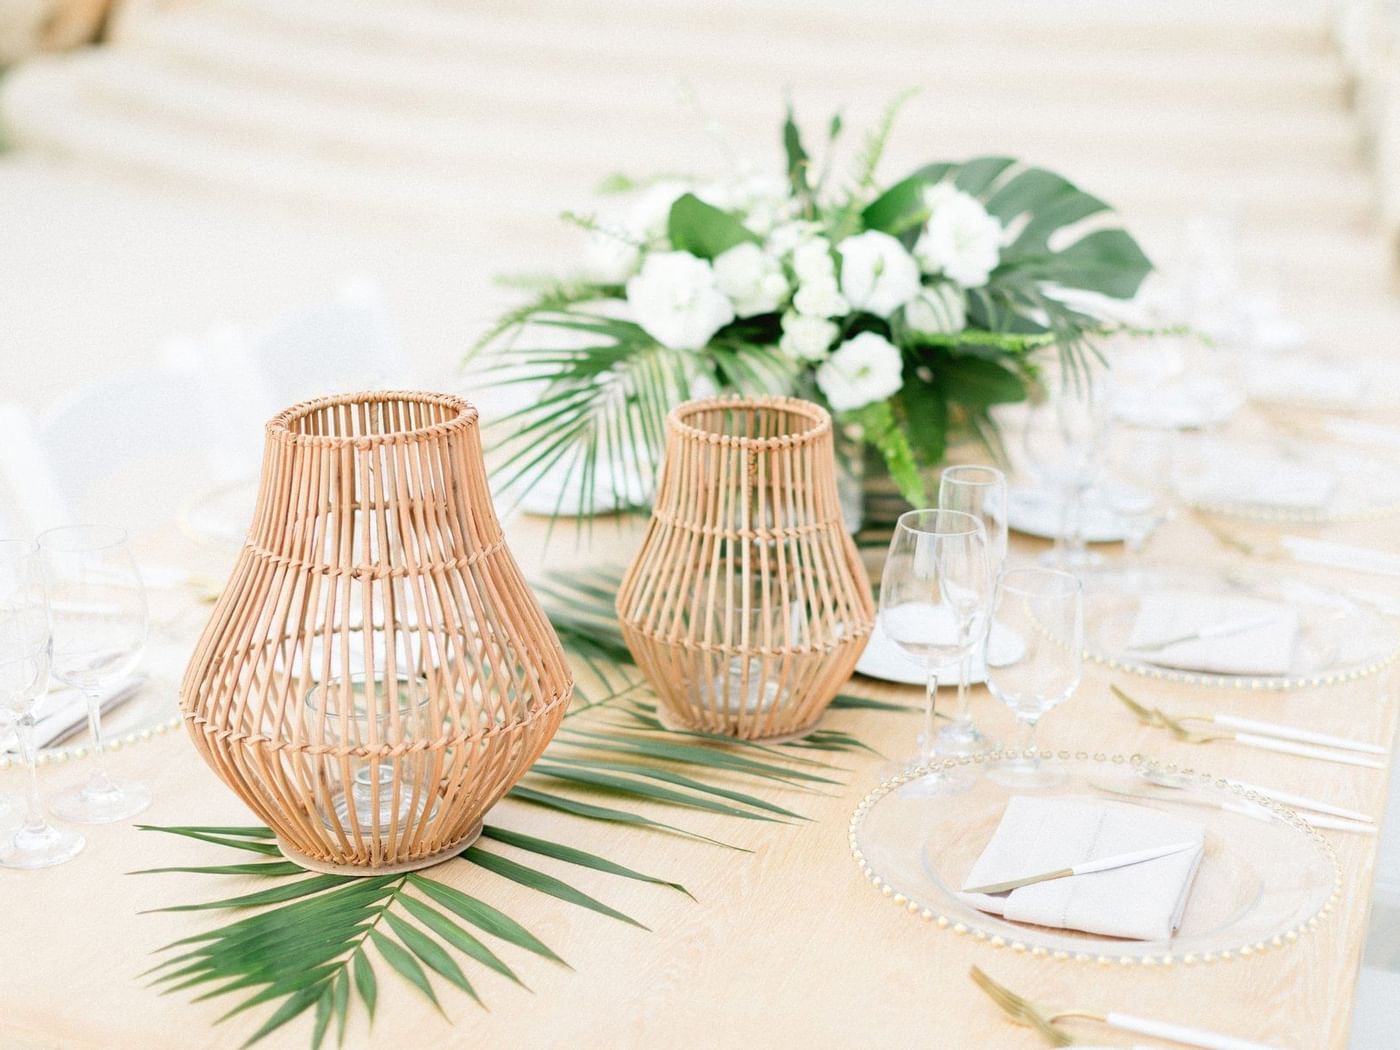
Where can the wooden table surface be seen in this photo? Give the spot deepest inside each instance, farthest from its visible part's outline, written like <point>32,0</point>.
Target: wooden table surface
<point>786,946</point>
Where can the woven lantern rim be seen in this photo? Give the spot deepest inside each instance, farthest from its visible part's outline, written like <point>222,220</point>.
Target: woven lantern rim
<point>458,414</point>
<point>820,419</point>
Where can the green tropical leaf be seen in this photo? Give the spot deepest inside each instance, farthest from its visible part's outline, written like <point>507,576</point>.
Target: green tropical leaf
<point>429,952</point>
<point>457,937</point>
<point>978,383</point>
<point>704,230</point>
<point>365,982</point>
<point>882,430</point>
<point>483,916</point>
<point>798,162</point>
<point>538,880</point>
<point>406,965</point>
<point>573,856</point>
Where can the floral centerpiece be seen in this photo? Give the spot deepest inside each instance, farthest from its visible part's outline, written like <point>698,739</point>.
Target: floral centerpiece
<point>908,311</point>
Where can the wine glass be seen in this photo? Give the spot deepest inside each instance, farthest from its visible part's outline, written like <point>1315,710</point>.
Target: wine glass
<point>935,594</point>
<point>979,491</point>
<point>1044,609</point>
<point>1064,439</point>
<point>97,608</point>
<point>1141,469</point>
<point>25,654</point>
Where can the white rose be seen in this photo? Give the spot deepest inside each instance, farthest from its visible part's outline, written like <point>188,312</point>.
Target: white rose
<point>609,255</point>
<point>751,278</point>
<point>940,309</point>
<point>676,299</point>
<point>865,369</point>
<point>961,240</point>
<point>877,274</point>
<point>812,261</point>
<point>821,298</point>
<point>806,338</point>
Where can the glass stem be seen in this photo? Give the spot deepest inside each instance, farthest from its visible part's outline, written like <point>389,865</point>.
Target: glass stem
<point>1075,529</point>
<point>930,709</point>
<point>1028,739</point>
<point>99,782</point>
<point>961,718</point>
<point>34,808</point>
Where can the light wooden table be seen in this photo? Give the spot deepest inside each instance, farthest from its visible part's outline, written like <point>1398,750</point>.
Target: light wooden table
<point>786,946</point>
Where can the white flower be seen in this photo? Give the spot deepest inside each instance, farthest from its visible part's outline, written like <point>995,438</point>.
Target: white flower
<point>940,309</point>
<point>961,240</point>
<point>877,274</point>
<point>806,338</point>
<point>676,299</point>
<point>812,261</point>
<point>609,255</point>
<point>862,370</point>
<point>787,236</point>
<point>821,298</point>
<point>751,278</point>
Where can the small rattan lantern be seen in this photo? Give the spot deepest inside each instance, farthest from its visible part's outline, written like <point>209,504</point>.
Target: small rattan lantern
<point>376,674</point>
<point>747,605</point>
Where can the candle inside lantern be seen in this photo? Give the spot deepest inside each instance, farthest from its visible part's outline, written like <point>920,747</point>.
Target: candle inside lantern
<point>356,712</point>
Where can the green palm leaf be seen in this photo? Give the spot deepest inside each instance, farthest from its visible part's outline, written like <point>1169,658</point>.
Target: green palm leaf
<point>306,944</point>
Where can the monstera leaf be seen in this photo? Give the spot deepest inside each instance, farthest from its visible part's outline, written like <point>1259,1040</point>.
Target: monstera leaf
<point>1035,205</point>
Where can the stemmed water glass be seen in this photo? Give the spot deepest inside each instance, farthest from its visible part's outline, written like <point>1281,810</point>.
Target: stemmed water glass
<point>97,607</point>
<point>25,652</point>
<point>1064,439</point>
<point>979,491</point>
<point>1045,608</point>
<point>1141,469</point>
<point>935,594</point>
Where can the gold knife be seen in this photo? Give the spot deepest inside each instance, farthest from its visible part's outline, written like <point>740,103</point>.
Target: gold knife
<point>1120,860</point>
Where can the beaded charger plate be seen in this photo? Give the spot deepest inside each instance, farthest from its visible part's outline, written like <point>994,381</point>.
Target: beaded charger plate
<point>1265,878</point>
<point>152,710</point>
<point>1338,640</point>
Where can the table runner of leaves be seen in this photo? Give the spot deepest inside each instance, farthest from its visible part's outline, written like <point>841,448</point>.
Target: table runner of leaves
<point>321,942</point>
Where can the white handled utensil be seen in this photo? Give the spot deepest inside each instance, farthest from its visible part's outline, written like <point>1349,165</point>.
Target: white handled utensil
<point>1281,732</point>
<point>1120,860</point>
<point>1285,747</point>
<point>1180,1033</point>
<point>1214,630</point>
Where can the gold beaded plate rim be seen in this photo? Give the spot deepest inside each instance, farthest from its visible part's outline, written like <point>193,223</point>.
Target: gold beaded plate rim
<point>1279,683</point>
<point>997,939</point>
<point>82,746</point>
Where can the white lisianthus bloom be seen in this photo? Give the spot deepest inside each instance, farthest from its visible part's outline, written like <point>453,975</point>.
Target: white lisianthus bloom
<point>785,238</point>
<point>806,338</point>
<point>877,274</point>
<point>751,278</point>
<point>812,261</point>
<point>865,369</point>
<point>651,211</point>
<point>940,309</point>
<point>821,298</point>
<point>960,240</point>
<point>677,300</point>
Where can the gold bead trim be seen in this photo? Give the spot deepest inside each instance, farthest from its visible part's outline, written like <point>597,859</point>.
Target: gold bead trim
<point>999,939</point>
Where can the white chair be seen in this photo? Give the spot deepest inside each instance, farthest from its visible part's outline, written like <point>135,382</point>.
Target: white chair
<point>137,446</point>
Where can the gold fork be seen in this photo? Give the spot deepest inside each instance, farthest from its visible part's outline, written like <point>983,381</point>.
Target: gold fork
<point>1020,1010</point>
<point>1023,1011</point>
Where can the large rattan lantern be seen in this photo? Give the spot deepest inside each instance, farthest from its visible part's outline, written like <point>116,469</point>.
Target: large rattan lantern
<point>747,605</point>
<point>376,674</point>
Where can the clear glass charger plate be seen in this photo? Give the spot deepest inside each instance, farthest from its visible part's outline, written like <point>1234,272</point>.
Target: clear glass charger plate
<point>1265,877</point>
<point>1339,639</point>
<point>1327,483</point>
<point>150,712</point>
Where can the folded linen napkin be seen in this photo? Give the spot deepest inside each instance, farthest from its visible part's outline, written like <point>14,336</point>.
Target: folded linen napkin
<point>59,711</point>
<point>1263,649</point>
<point>1143,901</point>
<point>1262,479</point>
